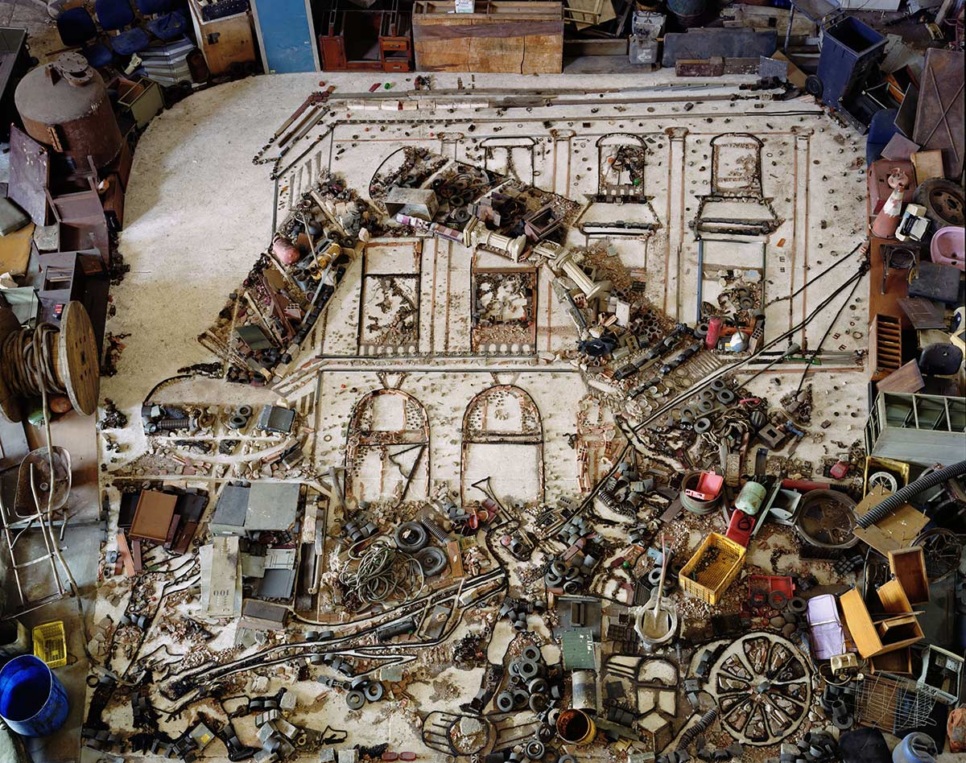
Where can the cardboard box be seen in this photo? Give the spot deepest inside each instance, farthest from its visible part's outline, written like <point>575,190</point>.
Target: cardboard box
<point>909,567</point>
<point>897,629</point>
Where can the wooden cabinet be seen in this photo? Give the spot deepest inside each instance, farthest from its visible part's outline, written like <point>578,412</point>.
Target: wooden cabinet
<point>366,40</point>
<point>226,41</point>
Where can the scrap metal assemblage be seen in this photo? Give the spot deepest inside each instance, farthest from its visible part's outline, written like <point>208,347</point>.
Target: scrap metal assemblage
<point>554,451</point>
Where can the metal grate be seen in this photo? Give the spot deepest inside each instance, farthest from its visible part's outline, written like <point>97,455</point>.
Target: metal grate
<point>894,704</point>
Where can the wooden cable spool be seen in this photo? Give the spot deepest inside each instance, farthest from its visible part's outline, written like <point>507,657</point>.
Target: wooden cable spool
<point>74,362</point>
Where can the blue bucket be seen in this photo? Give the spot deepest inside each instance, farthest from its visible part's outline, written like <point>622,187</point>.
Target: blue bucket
<point>33,703</point>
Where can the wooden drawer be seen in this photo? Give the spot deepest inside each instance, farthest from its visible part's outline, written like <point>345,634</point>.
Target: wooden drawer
<point>395,66</point>
<point>394,43</point>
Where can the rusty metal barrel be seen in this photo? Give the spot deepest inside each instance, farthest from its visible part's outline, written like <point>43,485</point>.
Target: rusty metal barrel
<point>65,106</point>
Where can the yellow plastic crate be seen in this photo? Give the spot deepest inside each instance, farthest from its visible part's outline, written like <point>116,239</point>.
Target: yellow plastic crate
<point>713,568</point>
<point>50,643</point>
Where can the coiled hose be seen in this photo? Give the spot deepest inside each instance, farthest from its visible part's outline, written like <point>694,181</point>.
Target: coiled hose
<point>903,494</point>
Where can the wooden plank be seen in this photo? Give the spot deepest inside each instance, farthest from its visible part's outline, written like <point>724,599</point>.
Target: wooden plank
<point>124,554</point>
<point>15,250</point>
<point>905,379</point>
<point>764,18</point>
<point>928,164</point>
<point>896,287</point>
<point>502,37</point>
<point>923,313</point>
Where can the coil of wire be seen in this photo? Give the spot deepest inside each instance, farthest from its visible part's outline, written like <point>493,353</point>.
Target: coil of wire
<point>383,572</point>
<point>28,361</point>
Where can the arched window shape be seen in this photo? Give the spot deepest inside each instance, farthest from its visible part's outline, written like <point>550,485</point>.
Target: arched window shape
<point>736,204</point>
<point>620,165</point>
<point>503,440</point>
<point>387,448</point>
<point>736,165</point>
<point>621,206</point>
<point>510,157</point>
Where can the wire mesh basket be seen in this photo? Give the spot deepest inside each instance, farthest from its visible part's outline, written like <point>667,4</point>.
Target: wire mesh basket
<point>894,704</point>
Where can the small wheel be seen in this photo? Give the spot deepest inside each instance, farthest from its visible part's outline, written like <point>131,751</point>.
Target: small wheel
<point>883,479</point>
<point>814,86</point>
<point>355,700</point>
<point>944,201</point>
<point>411,537</point>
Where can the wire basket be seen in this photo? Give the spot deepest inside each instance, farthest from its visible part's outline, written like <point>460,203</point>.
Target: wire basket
<point>894,704</point>
<point>50,643</point>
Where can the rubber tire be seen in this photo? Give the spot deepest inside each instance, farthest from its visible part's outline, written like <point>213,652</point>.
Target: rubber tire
<point>938,215</point>
<point>814,86</point>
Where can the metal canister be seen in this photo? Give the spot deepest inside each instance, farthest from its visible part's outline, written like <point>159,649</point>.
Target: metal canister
<point>584,690</point>
<point>65,106</point>
<point>751,497</point>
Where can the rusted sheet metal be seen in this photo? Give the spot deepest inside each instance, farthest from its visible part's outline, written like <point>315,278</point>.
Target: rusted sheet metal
<point>29,175</point>
<point>939,116</point>
<point>696,67</point>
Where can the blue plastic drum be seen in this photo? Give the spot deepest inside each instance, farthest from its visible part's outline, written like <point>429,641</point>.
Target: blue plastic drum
<point>33,703</point>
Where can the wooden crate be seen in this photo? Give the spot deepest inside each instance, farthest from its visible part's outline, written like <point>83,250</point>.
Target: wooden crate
<point>504,37</point>
<point>225,41</point>
<point>713,568</point>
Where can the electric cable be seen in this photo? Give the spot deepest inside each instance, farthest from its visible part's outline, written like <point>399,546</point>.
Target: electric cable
<point>706,382</point>
<point>828,331</point>
<point>813,279</point>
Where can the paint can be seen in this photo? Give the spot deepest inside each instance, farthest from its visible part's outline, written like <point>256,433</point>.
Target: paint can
<point>751,497</point>
<point>584,690</point>
<point>576,727</point>
<point>33,702</point>
<point>687,12</point>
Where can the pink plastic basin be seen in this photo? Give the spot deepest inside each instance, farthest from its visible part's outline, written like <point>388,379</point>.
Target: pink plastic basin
<point>948,246</point>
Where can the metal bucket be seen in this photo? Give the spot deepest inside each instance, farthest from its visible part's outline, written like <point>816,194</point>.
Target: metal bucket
<point>576,727</point>
<point>687,12</point>
<point>33,702</point>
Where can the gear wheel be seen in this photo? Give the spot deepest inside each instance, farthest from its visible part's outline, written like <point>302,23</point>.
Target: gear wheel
<point>763,686</point>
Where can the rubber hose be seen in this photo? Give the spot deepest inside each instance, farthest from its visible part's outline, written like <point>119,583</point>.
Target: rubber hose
<point>903,494</point>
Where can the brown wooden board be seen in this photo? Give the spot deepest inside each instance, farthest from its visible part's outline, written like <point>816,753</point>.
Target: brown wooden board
<point>928,164</point>
<point>15,250</point>
<point>923,313</point>
<point>909,567</point>
<point>153,515</point>
<point>502,37</point>
<point>905,379</point>
<point>939,117</point>
<point>29,175</point>
<point>896,286</point>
